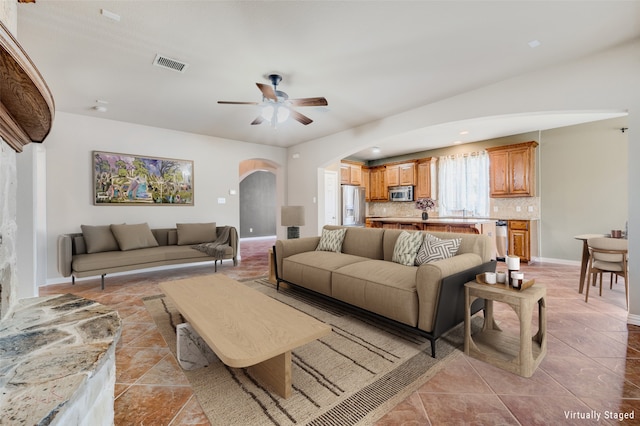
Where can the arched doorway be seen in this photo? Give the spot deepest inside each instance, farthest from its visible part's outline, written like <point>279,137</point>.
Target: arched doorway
<point>258,198</point>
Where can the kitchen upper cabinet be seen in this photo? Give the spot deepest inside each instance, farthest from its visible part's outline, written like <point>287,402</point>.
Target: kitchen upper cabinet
<point>423,178</point>
<point>393,175</point>
<point>407,174</point>
<point>350,173</point>
<point>512,170</point>
<point>378,184</point>
<point>366,182</point>
<point>401,174</point>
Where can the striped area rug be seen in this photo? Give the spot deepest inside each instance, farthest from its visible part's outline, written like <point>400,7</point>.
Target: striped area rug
<point>353,376</point>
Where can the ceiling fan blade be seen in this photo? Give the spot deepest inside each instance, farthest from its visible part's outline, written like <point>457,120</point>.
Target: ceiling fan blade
<point>301,118</point>
<point>309,102</point>
<point>267,91</point>
<point>258,120</point>
<point>237,103</point>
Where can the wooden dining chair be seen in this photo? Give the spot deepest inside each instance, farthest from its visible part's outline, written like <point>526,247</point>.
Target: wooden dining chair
<point>608,255</point>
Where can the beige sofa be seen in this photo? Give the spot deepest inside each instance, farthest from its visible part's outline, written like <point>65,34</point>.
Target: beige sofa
<point>101,250</point>
<point>429,297</point>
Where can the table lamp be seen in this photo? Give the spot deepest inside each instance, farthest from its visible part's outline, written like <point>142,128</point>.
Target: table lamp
<point>292,217</point>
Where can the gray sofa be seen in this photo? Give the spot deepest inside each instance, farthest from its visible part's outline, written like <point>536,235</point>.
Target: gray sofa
<point>101,250</point>
<point>429,297</point>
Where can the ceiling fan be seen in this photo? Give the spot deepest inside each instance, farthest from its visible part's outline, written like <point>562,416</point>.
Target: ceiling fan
<point>277,105</point>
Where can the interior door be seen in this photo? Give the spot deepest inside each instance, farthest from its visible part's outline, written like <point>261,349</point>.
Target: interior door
<point>330,198</point>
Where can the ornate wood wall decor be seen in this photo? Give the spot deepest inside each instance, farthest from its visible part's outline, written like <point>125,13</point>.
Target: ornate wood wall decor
<point>26,103</point>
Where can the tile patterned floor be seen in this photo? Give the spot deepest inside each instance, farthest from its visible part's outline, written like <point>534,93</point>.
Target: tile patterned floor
<point>592,365</point>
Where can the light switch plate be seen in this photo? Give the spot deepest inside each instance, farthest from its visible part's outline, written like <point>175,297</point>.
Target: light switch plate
<point>530,209</point>
<point>222,200</point>
<point>518,208</point>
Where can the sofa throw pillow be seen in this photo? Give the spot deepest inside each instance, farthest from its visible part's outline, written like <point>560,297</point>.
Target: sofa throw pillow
<point>196,233</point>
<point>434,248</point>
<point>406,248</point>
<point>331,240</point>
<point>133,237</point>
<point>99,238</point>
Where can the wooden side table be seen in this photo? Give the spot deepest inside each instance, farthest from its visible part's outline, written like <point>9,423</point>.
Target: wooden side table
<point>518,354</point>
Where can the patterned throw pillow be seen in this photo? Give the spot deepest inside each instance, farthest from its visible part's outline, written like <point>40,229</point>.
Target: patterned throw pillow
<point>434,249</point>
<point>406,248</point>
<point>331,240</point>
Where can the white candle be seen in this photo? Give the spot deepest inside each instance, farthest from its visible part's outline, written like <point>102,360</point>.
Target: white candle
<point>513,263</point>
<point>517,279</point>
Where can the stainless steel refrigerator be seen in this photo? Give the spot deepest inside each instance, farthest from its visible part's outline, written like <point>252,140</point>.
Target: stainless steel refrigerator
<point>353,205</point>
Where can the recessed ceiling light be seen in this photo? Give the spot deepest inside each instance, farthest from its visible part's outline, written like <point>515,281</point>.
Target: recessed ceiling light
<point>375,150</point>
<point>534,43</point>
<point>108,14</point>
<point>464,132</point>
<point>457,142</point>
<point>100,108</point>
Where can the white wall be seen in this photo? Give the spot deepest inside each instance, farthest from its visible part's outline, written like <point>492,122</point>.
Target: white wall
<point>606,81</point>
<point>70,186</point>
<point>31,219</point>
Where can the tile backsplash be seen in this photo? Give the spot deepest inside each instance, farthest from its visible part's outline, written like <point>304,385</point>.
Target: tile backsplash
<point>515,208</point>
<point>500,208</point>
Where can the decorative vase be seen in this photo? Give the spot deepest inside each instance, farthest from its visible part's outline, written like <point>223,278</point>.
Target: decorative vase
<point>425,215</point>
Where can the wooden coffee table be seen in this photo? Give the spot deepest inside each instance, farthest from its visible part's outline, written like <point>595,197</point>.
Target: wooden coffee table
<point>244,327</point>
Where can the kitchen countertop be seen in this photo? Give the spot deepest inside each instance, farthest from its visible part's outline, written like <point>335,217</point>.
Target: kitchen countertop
<point>461,221</point>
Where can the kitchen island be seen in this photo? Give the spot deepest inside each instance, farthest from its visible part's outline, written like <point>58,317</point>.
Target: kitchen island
<point>468,225</point>
<point>464,225</point>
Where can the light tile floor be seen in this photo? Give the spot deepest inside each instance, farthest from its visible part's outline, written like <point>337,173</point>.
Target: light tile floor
<point>592,366</point>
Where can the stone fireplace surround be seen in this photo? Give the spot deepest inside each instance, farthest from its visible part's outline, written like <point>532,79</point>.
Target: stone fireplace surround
<point>57,353</point>
<point>57,362</point>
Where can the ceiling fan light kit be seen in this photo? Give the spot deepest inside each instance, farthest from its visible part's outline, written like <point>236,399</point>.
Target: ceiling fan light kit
<point>277,105</point>
<point>275,113</point>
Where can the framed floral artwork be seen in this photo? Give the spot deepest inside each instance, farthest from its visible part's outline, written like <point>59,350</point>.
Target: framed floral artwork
<point>125,179</point>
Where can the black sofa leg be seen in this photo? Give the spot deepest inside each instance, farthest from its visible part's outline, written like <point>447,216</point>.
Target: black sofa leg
<point>102,281</point>
<point>73,280</point>
<point>275,267</point>
<point>433,348</point>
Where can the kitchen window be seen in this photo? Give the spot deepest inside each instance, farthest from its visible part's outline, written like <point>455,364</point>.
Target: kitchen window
<point>463,185</point>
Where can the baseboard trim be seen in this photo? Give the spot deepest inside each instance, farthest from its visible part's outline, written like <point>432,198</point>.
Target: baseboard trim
<point>633,319</point>
<point>67,280</point>
<point>559,261</point>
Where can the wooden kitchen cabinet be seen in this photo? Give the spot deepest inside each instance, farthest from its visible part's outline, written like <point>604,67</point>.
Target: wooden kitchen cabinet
<point>401,174</point>
<point>366,183</point>
<point>345,174</point>
<point>512,170</point>
<point>423,178</point>
<point>407,174</point>
<point>523,237</point>
<point>436,227</point>
<point>391,226</point>
<point>350,173</point>
<point>393,175</point>
<point>378,183</point>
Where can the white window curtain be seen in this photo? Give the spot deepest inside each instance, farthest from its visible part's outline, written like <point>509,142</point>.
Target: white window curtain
<point>463,185</point>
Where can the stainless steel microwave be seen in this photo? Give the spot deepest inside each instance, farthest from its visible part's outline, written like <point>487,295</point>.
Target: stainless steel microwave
<point>401,193</point>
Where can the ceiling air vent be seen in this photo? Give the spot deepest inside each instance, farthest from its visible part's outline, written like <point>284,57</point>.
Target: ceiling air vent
<point>168,63</point>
